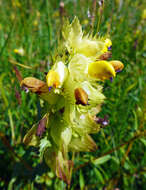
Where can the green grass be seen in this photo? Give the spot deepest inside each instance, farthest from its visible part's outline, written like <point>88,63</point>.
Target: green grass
<point>36,26</point>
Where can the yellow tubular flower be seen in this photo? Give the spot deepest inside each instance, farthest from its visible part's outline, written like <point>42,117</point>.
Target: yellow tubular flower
<point>101,70</point>
<point>19,51</point>
<point>107,45</point>
<point>108,42</point>
<point>53,79</point>
<point>57,75</point>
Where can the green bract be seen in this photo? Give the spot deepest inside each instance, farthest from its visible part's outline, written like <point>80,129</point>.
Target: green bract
<point>73,98</point>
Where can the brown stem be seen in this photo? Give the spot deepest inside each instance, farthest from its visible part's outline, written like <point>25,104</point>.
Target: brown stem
<point>93,13</point>
<point>18,74</point>
<point>126,154</point>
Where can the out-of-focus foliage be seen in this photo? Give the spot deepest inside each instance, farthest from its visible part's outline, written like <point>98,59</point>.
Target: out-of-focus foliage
<point>28,36</point>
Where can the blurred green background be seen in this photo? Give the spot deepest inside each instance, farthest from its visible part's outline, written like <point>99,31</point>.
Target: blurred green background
<point>35,26</point>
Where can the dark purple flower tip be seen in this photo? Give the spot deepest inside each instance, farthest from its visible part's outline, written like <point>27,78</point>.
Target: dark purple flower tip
<point>103,121</point>
<point>50,87</point>
<point>110,48</point>
<point>118,71</point>
<point>25,89</point>
<point>111,79</point>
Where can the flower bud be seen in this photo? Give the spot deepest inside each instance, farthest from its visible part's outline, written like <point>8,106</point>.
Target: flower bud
<point>34,85</point>
<point>81,96</point>
<point>118,65</point>
<point>57,75</point>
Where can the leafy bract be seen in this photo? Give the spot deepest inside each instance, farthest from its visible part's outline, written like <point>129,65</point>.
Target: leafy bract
<point>31,139</point>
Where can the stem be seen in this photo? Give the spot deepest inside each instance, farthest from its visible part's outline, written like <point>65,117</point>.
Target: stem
<point>93,13</point>
<point>12,126</point>
<point>101,8</point>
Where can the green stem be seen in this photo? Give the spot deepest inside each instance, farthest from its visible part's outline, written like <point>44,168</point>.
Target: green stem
<point>12,126</point>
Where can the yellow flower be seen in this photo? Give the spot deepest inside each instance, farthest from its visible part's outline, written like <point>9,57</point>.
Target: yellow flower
<point>82,68</point>
<point>107,45</point>
<point>101,70</point>
<point>57,75</point>
<point>19,51</point>
<point>108,42</point>
<point>53,79</point>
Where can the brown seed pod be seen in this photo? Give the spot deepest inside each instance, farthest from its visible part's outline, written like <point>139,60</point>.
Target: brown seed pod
<point>81,96</point>
<point>118,65</point>
<point>35,85</point>
<point>105,56</point>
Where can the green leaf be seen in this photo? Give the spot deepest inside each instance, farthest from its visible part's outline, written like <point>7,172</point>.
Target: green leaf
<point>82,143</point>
<point>81,180</point>
<point>60,132</point>
<point>31,139</point>
<point>44,144</point>
<point>101,160</point>
<point>99,175</point>
<point>10,186</point>
<point>143,141</point>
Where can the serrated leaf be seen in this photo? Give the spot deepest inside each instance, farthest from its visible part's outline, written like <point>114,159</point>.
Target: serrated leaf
<point>66,29</point>
<point>76,28</point>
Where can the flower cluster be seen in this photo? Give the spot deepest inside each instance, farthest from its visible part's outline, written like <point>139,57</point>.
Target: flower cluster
<point>74,98</point>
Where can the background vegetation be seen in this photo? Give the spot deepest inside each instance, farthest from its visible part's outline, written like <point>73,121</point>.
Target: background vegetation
<point>119,162</point>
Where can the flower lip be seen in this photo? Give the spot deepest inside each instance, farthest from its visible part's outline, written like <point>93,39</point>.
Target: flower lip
<point>101,70</point>
<point>53,79</point>
<point>57,75</point>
